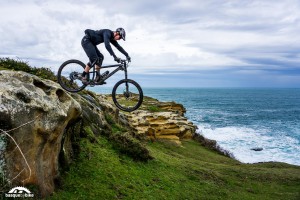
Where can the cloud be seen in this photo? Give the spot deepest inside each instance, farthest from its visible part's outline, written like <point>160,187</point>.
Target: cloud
<point>163,37</point>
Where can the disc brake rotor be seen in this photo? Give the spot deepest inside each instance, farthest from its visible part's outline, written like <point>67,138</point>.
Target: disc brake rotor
<point>126,94</point>
<point>73,76</point>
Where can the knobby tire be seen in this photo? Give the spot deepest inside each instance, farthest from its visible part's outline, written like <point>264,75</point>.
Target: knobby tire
<point>61,79</point>
<point>139,95</point>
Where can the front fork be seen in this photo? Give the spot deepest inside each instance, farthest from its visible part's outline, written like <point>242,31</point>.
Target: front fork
<point>126,92</point>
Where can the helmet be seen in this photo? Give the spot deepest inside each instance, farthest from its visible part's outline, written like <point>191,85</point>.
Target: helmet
<point>122,33</point>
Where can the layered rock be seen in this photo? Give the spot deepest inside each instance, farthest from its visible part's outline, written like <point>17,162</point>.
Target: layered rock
<point>168,122</point>
<point>164,106</point>
<point>160,125</point>
<point>33,114</point>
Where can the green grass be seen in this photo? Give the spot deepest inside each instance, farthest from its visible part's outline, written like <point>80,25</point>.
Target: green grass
<point>152,108</point>
<point>187,172</point>
<point>116,128</point>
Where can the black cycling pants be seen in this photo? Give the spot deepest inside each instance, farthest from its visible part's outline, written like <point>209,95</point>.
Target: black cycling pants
<point>92,51</point>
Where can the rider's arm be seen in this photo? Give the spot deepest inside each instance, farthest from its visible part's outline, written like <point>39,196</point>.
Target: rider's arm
<point>116,44</point>
<point>106,38</point>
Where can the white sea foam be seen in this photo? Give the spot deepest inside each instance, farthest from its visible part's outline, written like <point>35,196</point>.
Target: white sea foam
<point>240,140</point>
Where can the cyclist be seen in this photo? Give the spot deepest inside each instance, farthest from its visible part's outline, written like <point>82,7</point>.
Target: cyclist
<point>89,43</point>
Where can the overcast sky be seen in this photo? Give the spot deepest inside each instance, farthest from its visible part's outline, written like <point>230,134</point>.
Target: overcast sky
<point>172,43</point>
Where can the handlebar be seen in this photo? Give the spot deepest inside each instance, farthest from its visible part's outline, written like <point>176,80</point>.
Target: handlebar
<point>123,61</point>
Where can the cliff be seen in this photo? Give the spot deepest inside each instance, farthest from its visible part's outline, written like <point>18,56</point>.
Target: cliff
<point>34,115</point>
<point>154,120</point>
<point>41,124</point>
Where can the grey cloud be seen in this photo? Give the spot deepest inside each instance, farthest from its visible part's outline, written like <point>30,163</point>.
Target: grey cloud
<point>261,34</point>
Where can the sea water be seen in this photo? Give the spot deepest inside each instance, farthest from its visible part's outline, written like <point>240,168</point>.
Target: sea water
<point>242,119</point>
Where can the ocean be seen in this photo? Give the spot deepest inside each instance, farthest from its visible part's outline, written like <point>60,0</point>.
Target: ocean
<point>241,119</point>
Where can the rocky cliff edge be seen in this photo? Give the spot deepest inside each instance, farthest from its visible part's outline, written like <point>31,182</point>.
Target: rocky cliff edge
<point>40,125</point>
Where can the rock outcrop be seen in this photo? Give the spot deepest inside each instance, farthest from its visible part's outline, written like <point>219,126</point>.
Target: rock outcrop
<point>41,126</point>
<point>166,122</point>
<point>35,113</point>
<point>160,125</point>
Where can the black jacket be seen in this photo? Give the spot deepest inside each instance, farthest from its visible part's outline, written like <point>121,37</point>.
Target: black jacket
<point>105,36</point>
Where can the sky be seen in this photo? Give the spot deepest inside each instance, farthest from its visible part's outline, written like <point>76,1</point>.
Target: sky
<point>172,43</point>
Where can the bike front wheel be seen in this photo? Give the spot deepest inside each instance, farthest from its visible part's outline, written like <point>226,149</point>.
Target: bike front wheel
<point>127,95</point>
<point>70,74</point>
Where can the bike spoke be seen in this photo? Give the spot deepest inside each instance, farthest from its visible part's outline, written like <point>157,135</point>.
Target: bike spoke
<point>69,75</point>
<point>127,95</point>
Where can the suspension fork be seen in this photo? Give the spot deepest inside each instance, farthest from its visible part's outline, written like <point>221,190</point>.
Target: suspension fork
<point>125,70</point>
<point>126,77</point>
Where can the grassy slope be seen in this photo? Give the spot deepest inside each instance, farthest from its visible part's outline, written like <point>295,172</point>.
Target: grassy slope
<point>188,172</point>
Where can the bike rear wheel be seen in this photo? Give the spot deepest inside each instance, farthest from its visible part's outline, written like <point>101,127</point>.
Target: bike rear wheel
<point>127,95</point>
<point>69,75</point>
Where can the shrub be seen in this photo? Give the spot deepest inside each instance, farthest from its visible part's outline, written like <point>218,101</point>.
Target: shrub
<point>19,65</point>
<point>130,146</point>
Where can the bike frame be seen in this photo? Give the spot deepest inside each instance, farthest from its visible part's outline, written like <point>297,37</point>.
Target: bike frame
<point>121,66</point>
<point>122,91</point>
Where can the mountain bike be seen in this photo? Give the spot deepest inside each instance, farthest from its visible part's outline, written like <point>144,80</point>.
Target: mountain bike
<point>127,94</point>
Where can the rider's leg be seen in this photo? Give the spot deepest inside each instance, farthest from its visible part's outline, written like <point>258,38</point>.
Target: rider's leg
<point>98,65</point>
<point>92,52</point>
<point>98,68</point>
<point>97,71</point>
<point>99,61</point>
<point>87,68</point>
<point>85,73</point>
<point>98,75</point>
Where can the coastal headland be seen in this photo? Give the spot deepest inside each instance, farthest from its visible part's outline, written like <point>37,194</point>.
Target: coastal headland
<point>79,146</point>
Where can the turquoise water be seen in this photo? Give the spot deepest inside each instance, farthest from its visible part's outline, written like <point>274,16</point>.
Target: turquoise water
<point>242,119</point>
